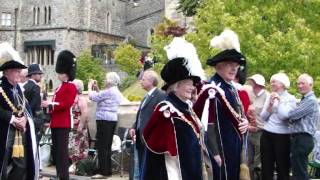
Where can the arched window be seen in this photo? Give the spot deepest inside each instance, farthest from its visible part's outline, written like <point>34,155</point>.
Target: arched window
<point>38,16</point>
<point>49,15</point>
<point>45,15</point>
<point>149,36</point>
<point>108,23</point>
<point>34,15</point>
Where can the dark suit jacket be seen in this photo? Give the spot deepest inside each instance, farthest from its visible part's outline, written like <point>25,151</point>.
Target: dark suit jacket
<point>32,94</point>
<point>146,110</point>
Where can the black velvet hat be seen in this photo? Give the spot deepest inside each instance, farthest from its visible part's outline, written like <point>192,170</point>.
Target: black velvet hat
<point>227,55</point>
<point>34,69</point>
<point>228,43</point>
<point>66,64</point>
<point>175,70</point>
<point>10,58</point>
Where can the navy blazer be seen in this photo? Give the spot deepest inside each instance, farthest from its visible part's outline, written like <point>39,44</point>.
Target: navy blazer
<point>147,109</point>
<point>32,94</point>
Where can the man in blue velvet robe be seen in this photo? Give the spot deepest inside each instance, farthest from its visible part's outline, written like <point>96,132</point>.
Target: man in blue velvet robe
<point>25,164</point>
<point>220,109</point>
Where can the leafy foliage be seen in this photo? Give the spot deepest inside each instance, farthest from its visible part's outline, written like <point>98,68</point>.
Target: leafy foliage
<point>274,35</point>
<point>160,39</point>
<point>188,7</point>
<point>127,58</point>
<point>90,68</point>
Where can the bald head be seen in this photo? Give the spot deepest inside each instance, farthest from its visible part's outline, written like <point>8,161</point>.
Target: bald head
<point>149,80</point>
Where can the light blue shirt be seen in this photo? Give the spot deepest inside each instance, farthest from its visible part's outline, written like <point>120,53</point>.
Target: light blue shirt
<point>304,117</point>
<point>108,101</point>
<point>276,121</point>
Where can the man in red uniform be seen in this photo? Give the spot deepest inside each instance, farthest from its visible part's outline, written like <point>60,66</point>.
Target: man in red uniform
<point>60,108</point>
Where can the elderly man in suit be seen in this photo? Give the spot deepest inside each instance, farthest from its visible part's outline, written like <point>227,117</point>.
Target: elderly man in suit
<point>149,83</point>
<point>32,94</point>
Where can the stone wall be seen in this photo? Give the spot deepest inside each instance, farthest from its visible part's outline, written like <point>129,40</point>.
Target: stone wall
<point>140,19</point>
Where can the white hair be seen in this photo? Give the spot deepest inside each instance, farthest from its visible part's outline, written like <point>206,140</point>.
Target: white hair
<point>282,78</point>
<point>307,77</point>
<point>79,85</point>
<point>112,78</point>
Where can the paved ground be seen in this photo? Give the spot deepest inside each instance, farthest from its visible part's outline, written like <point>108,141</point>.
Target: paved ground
<point>50,172</point>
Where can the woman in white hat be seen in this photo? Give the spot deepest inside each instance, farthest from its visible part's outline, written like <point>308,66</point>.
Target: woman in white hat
<point>275,138</point>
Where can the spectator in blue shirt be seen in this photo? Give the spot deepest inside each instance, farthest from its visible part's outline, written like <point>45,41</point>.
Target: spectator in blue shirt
<point>108,101</point>
<point>302,121</point>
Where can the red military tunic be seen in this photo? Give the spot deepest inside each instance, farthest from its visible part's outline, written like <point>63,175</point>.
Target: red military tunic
<point>63,100</point>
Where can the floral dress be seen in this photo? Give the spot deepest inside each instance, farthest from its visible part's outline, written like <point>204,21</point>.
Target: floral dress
<point>78,142</point>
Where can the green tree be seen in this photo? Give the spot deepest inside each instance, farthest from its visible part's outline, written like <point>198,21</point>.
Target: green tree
<point>127,58</point>
<point>188,7</point>
<point>90,68</point>
<point>274,35</point>
<point>160,39</point>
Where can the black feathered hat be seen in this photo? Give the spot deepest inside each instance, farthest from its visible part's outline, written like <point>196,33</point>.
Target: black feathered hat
<point>34,69</point>
<point>183,63</point>
<point>9,58</point>
<point>228,43</point>
<point>174,71</point>
<point>66,64</point>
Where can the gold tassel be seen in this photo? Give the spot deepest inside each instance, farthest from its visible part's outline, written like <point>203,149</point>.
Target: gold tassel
<point>244,172</point>
<point>15,149</point>
<point>18,149</point>
<point>21,148</point>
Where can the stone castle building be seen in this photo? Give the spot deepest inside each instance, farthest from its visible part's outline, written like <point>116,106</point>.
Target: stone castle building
<point>41,29</point>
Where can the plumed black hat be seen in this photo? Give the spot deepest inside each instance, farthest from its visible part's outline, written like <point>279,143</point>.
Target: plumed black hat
<point>175,70</point>
<point>9,58</point>
<point>34,69</point>
<point>227,55</point>
<point>183,63</point>
<point>228,43</point>
<point>66,64</point>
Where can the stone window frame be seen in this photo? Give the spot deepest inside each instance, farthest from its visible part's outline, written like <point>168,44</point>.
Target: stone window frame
<point>150,32</point>
<point>108,22</point>
<point>6,19</point>
<point>47,15</point>
<point>36,15</point>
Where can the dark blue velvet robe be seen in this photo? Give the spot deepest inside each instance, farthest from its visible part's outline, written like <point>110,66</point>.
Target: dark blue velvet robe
<point>177,138</point>
<point>5,117</point>
<point>227,143</point>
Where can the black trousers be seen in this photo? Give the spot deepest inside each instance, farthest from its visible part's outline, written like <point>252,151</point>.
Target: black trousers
<point>105,131</point>
<point>275,152</point>
<point>301,146</point>
<point>60,141</point>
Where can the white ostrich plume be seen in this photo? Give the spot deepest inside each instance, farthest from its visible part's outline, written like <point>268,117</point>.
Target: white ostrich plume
<point>226,40</point>
<point>7,53</point>
<point>180,48</point>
